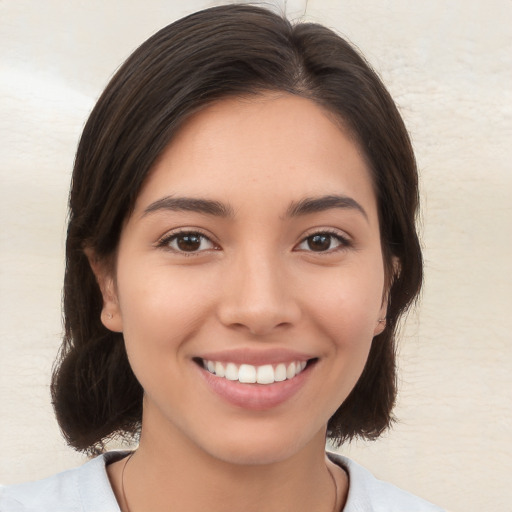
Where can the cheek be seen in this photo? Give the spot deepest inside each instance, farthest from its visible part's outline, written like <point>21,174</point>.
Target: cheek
<point>347,303</point>
<point>161,310</point>
<point>345,308</point>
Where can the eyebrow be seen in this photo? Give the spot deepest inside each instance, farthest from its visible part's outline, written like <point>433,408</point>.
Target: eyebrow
<point>319,204</point>
<point>190,204</point>
<point>305,206</point>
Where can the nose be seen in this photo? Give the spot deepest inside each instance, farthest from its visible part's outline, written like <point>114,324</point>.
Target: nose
<point>258,296</point>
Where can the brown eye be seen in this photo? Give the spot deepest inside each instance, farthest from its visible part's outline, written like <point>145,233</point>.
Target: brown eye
<point>323,242</point>
<point>320,242</point>
<point>188,242</point>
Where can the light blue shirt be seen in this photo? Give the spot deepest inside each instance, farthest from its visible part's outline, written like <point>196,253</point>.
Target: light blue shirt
<point>87,489</point>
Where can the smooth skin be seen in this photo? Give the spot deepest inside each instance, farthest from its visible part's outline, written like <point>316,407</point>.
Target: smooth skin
<point>257,271</point>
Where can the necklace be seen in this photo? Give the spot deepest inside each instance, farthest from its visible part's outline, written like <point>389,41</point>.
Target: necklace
<point>131,455</point>
<point>335,508</point>
<point>122,482</point>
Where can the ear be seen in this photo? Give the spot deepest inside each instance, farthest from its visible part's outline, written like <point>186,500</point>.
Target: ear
<point>381,321</point>
<point>111,313</point>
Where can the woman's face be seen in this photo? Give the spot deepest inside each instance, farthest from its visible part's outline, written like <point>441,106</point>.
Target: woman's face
<point>253,251</point>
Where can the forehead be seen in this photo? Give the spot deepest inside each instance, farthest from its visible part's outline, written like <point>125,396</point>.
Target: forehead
<point>277,146</point>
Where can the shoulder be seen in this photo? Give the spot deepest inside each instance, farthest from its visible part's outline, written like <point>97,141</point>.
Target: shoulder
<point>368,494</point>
<point>82,489</point>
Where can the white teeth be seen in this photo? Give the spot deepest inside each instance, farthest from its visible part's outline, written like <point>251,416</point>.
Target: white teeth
<point>231,372</point>
<point>280,373</point>
<point>247,373</point>
<point>219,370</point>
<point>250,374</point>
<point>290,371</point>
<point>265,374</point>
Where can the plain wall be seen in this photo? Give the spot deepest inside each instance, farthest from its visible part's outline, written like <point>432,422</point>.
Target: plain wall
<point>448,66</point>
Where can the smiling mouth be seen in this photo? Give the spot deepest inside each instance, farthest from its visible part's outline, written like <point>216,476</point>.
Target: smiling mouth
<point>251,374</point>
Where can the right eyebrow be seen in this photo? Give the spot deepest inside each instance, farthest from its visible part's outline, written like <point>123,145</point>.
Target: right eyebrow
<point>190,204</point>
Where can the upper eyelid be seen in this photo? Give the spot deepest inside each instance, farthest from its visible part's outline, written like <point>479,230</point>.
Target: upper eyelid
<point>168,235</point>
<point>329,231</point>
<point>164,243</point>
<point>344,239</point>
<point>335,232</point>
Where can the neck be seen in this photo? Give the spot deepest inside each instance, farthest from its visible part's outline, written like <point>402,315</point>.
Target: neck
<point>160,473</point>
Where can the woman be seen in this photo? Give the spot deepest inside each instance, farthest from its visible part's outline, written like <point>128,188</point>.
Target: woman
<point>241,245</point>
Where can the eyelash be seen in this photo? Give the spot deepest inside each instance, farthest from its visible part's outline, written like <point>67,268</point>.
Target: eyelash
<point>165,242</point>
<point>344,242</point>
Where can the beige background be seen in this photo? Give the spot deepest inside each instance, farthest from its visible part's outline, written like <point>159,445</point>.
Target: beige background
<point>448,65</point>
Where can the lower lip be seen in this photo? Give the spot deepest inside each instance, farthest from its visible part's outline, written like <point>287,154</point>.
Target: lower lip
<point>256,397</point>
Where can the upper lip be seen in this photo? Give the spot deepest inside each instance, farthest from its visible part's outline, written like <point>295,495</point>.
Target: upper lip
<point>256,357</point>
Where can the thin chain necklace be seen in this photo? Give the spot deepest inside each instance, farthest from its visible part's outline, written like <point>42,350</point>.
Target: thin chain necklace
<point>131,455</point>
<point>122,482</point>
<point>335,507</point>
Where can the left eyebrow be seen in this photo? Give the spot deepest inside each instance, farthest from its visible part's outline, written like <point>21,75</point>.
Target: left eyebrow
<point>319,204</point>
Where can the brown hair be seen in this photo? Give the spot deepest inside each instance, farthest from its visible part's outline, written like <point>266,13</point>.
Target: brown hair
<point>220,52</point>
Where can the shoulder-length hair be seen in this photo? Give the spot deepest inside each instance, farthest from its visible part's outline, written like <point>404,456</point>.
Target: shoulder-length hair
<point>213,54</point>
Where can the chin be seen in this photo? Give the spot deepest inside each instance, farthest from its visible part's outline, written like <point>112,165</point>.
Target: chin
<point>262,446</point>
<point>250,454</point>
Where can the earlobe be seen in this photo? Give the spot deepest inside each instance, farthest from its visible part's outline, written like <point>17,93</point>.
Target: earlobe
<point>381,322</point>
<point>379,328</point>
<point>110,314</point>
<point>111,320</point>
